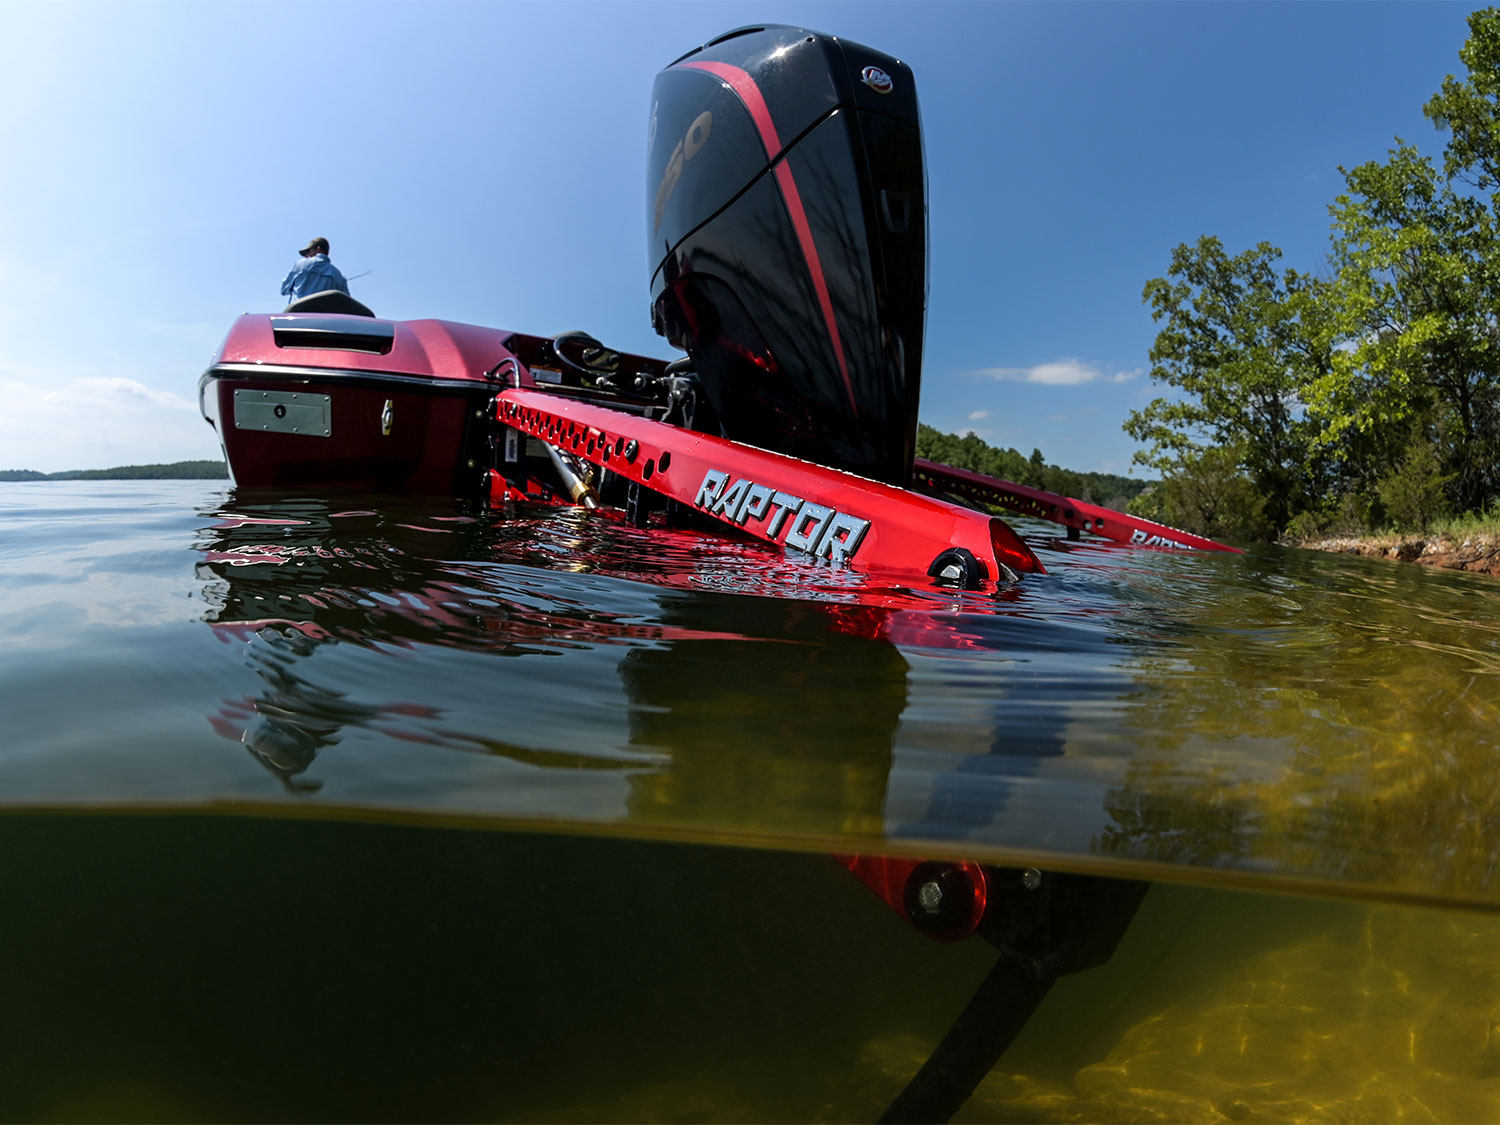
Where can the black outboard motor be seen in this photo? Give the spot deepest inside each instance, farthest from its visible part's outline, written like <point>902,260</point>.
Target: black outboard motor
<point>786,218</point>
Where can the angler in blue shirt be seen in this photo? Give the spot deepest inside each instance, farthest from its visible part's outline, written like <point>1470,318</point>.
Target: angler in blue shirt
<point>314,273</point>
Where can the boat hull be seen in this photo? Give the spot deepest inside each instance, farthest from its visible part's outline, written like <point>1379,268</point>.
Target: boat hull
<point>337,401</point>
<point>379,432</point>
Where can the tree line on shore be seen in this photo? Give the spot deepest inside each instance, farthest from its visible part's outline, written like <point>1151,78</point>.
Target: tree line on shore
<point>177,470</point>
<point>973,453</point>
<point>1364,393</point>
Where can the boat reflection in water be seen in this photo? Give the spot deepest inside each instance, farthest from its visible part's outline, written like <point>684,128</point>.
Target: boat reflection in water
<point>727,730</point>
<point>768,683</point>
<point>1149,715</point>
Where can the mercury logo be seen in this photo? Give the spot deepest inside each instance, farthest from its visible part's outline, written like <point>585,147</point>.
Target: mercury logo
<point>814,528</point>
<point>877,79</point>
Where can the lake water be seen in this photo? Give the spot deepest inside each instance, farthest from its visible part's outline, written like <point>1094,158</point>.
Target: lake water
<point>365,809</point>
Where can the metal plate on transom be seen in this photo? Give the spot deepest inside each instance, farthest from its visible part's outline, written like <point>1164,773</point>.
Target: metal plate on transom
<point>284,412</point>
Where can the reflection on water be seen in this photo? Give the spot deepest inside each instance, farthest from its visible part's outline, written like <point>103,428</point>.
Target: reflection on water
<point>1339,722</point>
<point>1281,721</point>
<point>733,689</point>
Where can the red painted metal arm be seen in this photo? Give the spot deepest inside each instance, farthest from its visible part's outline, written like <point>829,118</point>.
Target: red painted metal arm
<point>1052,506</point>
<point>828,513</point>
<point>945,901</point>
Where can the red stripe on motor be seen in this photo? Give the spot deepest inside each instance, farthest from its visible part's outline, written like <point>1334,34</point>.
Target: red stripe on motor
<point>748,92</point>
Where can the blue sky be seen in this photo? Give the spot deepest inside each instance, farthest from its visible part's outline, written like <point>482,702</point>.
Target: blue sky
<point>484,162</point>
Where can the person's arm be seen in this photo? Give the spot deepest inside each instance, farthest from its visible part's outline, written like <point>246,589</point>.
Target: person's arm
<point>287,285</point>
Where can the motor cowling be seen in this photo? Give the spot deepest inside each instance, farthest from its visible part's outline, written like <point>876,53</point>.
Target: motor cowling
<point>786,219</point>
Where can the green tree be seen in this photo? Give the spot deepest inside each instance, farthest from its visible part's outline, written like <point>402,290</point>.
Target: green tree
<point>1417,294</point>
<point>1373,391</point>
<point>1416,256</point>
<point>1414,493</point>
<point>973,453</point>
<point>1470,108</point>
<point>1036,469</point>
<point>1240,343</point>
<point>1208,493</point>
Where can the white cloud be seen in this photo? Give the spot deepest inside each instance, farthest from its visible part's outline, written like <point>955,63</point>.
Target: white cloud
<point>1059,373</point>
<point>96,422</point>
<point>113,394</point>
<point>978,415</point>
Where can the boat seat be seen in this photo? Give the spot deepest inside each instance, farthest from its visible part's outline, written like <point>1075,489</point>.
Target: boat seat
<point>330,301</point>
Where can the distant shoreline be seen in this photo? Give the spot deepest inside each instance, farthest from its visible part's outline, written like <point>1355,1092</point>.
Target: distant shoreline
<point>175,470</point>
<point>1478,553</point>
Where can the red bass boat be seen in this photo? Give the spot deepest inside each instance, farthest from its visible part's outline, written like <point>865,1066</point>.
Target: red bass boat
<point>786,233</point>
<point>787,243</point>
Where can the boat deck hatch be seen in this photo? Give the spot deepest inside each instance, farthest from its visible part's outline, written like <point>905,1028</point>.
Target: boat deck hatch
<point>341,333</point>
<point>284,412</point>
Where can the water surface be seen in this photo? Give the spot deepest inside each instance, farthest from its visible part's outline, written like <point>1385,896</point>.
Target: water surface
<point>328,809</point>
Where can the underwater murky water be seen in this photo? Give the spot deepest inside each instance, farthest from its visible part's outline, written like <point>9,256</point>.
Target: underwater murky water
<point>368,809</point>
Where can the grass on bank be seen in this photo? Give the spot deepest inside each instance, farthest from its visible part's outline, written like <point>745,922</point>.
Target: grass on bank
<point>1471,525</point>
<point>1471,529</point>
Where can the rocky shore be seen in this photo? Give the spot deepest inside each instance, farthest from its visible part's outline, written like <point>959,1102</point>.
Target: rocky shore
<point>1479,553</point>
